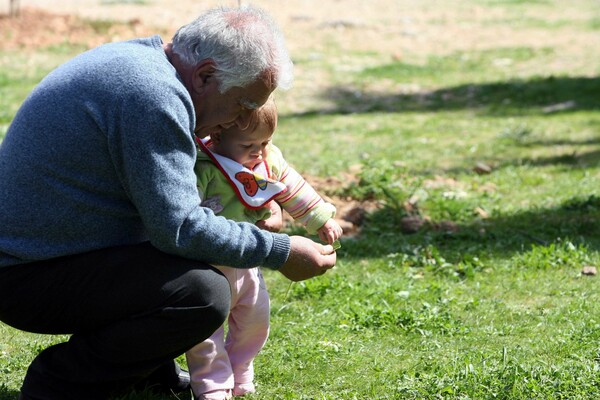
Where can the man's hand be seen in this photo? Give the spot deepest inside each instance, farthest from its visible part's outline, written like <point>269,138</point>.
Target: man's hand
<point>275,222</point>
<point>307,259</point>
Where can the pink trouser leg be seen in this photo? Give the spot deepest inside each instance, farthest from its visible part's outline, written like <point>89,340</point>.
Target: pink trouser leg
<point>220,365</point>
<point>209,365</point>
<point>248,324</point>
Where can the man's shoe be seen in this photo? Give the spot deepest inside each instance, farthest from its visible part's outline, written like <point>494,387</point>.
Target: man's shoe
<point>166,379</point>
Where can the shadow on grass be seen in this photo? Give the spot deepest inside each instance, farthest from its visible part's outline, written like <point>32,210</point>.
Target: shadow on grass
<point>563,142</point>
<point>576,160</point>
<point>576,220</point>
<point>8,394</point>
<point>572,158</point>
<point>569,159</point>
<point>514,97</point>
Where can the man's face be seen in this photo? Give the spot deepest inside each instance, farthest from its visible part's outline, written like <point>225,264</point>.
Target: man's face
<point>217,111</point>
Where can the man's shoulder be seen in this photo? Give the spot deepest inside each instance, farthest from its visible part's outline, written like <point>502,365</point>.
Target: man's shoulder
<point>132,46</point>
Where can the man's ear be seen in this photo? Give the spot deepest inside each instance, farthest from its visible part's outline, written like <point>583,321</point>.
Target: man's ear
<point>204,74</point>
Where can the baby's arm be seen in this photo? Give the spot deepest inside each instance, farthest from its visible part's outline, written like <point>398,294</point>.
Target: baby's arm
<point>330,232</point>
<point>303,202</point>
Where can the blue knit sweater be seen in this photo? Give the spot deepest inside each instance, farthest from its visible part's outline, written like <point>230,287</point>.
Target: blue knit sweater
<point>101,154</point>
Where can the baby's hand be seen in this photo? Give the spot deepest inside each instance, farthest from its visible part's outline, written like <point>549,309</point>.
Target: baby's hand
<point>330,232</point>
<point>275,222</point>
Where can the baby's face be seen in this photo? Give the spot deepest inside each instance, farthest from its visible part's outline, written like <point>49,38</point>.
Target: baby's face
<point>247,148</point>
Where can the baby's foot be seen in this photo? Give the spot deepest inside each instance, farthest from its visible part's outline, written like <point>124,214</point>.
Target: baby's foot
<point>240,389</point>
<point>216,395</point>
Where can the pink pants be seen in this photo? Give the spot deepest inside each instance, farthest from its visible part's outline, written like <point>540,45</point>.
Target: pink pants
<point>221,364</point>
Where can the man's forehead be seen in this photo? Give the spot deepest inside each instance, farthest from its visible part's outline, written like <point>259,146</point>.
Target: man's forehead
<point>256,94</point>
<point>255,100</point>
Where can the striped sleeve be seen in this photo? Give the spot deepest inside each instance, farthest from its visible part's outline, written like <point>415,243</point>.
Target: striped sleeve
<point>301,200</point>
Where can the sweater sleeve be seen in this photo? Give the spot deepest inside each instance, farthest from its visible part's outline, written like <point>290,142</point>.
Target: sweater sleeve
<point>300,200</point>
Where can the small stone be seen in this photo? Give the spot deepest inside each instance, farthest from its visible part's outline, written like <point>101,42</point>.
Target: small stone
<point>411,224</point>
<point>448,227</point>
<point>589,270</point>
<point>482,168</point>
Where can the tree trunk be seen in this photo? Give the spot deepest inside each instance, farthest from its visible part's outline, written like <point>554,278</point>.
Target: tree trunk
<point>14,8</point>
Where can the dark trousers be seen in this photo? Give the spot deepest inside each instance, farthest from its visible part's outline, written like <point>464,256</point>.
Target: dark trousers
<point>129,309</point>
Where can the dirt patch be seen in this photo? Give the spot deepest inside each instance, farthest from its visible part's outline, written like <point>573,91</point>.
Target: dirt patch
<point>351,213</point>
<point>34,28</point>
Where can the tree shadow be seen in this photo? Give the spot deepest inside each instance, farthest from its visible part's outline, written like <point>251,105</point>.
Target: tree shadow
<point>562,142</point>
<point>587,159</point>
<point>576,220</point>
<point>574,158</point>
<point>545,95</point>
<point>568,160</point>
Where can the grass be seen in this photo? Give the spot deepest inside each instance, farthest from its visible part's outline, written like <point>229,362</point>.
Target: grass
<point>496,307</point>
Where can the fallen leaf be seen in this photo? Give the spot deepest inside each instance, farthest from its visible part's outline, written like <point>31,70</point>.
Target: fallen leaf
<point>481,212</point>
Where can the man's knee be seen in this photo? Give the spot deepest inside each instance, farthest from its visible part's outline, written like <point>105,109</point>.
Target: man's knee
<point>207,294</point>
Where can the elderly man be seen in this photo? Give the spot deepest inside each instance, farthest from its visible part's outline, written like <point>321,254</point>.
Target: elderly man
<point>102,235</point>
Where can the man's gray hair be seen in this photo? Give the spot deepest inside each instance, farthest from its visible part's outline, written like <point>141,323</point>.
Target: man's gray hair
<point>244,43</point>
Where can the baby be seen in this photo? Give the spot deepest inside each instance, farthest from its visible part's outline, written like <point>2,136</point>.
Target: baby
<point>239,173</point>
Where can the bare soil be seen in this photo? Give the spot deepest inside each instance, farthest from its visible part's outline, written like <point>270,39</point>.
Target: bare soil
<point>394,27</point>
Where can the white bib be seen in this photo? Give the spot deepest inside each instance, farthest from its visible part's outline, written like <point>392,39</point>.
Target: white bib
<point>254,188</point>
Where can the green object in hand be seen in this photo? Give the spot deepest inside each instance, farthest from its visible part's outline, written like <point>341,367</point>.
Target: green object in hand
<point>336,245</point>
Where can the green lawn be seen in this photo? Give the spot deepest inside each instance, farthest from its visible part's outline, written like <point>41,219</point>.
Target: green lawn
<point>487,300</point>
